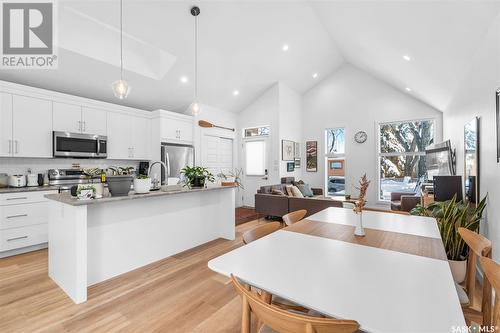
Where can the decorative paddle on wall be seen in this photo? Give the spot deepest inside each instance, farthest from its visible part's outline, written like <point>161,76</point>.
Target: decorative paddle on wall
<point>206,124</point>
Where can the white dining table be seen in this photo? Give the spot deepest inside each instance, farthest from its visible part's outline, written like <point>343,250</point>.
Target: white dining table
<point>386,291</point>
<point>406,224</point>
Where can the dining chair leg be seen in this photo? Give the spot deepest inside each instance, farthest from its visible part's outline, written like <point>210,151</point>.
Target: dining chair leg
<point>266,297</point>
<point>245,317</point>
<point>486,303</point>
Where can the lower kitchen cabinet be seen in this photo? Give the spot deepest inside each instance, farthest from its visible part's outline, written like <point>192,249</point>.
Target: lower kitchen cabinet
<point>23,221</point>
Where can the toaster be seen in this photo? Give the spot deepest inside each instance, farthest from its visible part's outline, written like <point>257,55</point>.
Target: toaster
<point>17,181</point>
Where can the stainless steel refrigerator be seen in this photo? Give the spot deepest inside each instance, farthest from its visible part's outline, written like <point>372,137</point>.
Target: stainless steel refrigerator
<point>175,157</point>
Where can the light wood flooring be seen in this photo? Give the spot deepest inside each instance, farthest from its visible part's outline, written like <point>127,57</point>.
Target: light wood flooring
<point>177,294</point>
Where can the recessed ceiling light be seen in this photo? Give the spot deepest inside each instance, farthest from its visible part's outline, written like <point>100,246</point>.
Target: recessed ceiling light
<point>236,93</point>
<point>184,79</point>
<point>315,75</point>
<point>407,57</point>
<point>407,89</point>
<point>285,47</point>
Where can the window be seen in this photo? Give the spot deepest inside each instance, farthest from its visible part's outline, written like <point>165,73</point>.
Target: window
<point>335,161</point>
<point>255,158</point>
<point>402,155</point>
<point>256,131</point>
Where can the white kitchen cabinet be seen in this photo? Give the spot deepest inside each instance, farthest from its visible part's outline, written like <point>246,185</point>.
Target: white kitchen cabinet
<point>23,221</point>
<point>141,138</point>
<point>176,128</point>
<point>129,137</point>
<point>31,127</point>
<point>94,121</point>
<point>119,136</point>
<point>5,124</point>
<point>67,117</point>
<point>77,119</point>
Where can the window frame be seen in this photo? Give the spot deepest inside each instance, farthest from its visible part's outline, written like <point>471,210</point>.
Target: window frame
<point>333,156</point>
<point>379,154</point>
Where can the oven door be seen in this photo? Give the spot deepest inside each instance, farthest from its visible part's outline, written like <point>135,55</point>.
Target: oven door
<point>67,144</point>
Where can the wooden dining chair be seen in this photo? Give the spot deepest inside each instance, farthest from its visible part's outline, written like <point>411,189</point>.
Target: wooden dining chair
<point>260,231</point>
<point>294,217</point>
<point>478,246</point>
<point>492,271</point>
<point>276,320</point>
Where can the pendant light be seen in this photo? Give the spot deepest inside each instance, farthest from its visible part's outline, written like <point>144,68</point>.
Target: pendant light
<point>195,106</point>
<point>120,87</point>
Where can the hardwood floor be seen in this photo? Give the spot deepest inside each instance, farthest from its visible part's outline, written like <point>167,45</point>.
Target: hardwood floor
<point>178,294</point>
<point>246,214</point>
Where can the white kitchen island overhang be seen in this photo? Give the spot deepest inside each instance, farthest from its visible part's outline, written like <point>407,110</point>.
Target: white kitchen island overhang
<point>93,241</point>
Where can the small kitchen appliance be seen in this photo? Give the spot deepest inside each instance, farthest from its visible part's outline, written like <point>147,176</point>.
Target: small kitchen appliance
<point>32,180</point>
<point>17,181</point>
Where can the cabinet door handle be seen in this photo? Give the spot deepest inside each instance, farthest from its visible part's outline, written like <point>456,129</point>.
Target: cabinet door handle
<point>10,146</point>
<point>16,238</point>
<point>84,126</point>
<point>14,216</point>
<point>17,146</point>
<point>18,198</point>
<point>79,126</point>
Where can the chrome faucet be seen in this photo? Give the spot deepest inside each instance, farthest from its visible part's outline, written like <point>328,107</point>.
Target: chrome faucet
<point>164,167</point>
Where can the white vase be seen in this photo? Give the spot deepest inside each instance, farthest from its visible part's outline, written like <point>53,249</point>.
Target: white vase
<point>458,270</point>
<point>142,185</point>
<point>359,231</point>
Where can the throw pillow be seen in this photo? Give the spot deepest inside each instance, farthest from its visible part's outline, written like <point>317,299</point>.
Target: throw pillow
<point>277,192</point>
<point>296,192</point>
<point>305,189</point>
<point>288,189</point>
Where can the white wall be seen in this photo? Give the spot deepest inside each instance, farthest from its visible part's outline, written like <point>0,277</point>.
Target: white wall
<point>221,118</point>
<point>290,125</point>
<point>475,97</point>
<point>352,99</point>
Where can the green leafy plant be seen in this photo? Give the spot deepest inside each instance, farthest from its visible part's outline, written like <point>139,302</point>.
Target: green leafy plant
<point>142,177</point>
<point>191,174</point>
<point>91,173</point>
<point>121,171</point>
<point>451,215</point>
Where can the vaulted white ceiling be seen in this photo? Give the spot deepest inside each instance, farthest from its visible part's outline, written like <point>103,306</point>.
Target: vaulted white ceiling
<point>241,47</point>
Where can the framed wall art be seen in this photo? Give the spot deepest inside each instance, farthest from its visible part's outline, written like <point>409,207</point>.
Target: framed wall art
<point>287,150</point>
<point>311,156</point>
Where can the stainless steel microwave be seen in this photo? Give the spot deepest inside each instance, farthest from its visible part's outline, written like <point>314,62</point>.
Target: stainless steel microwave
<point>78,145</point>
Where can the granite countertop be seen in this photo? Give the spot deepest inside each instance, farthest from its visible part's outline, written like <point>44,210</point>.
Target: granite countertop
<point>27,189</point>
<point>66,198</point>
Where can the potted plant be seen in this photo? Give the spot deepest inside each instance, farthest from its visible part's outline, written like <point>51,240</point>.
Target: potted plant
<point>91,174</point>
<point>450,216</point>
<point>196,176</point>
<point>120,180</point>
<point>231,178</point>
<point>142,184</point>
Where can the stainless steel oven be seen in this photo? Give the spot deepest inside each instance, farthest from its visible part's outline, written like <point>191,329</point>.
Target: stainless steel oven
<point>79,145</point>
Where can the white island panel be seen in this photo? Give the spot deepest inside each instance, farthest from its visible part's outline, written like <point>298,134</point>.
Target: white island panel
<point>91,243</point>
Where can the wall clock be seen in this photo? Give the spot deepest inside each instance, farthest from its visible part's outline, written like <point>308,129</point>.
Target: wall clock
<point>360,137</point>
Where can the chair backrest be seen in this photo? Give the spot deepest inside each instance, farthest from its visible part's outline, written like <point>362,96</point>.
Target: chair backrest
<point>284,321</point>
<point>260,231</point>
<point>478,246</point>
<point>294,217</point>
<point>492,271</point>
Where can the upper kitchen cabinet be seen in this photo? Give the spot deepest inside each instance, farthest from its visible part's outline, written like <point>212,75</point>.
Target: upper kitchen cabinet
<point>94,121</point>
<point>31,127</point>
<point>176,127</point>
<point>5,124</point>
<point>67,117</point>
<point>129,137</point>
<point>77,119</point>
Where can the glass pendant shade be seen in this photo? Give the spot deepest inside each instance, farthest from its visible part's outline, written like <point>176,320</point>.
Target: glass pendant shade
<point>121,89</point>
<point>195,108</point>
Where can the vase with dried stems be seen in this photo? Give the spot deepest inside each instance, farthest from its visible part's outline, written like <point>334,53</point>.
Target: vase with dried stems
<point>360,203</point>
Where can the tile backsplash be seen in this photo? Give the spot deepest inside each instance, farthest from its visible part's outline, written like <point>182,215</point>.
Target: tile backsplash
<point>14,166</point>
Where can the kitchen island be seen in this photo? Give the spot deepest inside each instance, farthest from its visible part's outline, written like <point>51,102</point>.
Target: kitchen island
<point>91,241</point>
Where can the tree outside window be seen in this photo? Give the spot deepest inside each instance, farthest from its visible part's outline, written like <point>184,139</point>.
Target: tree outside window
<point>402,155</point>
